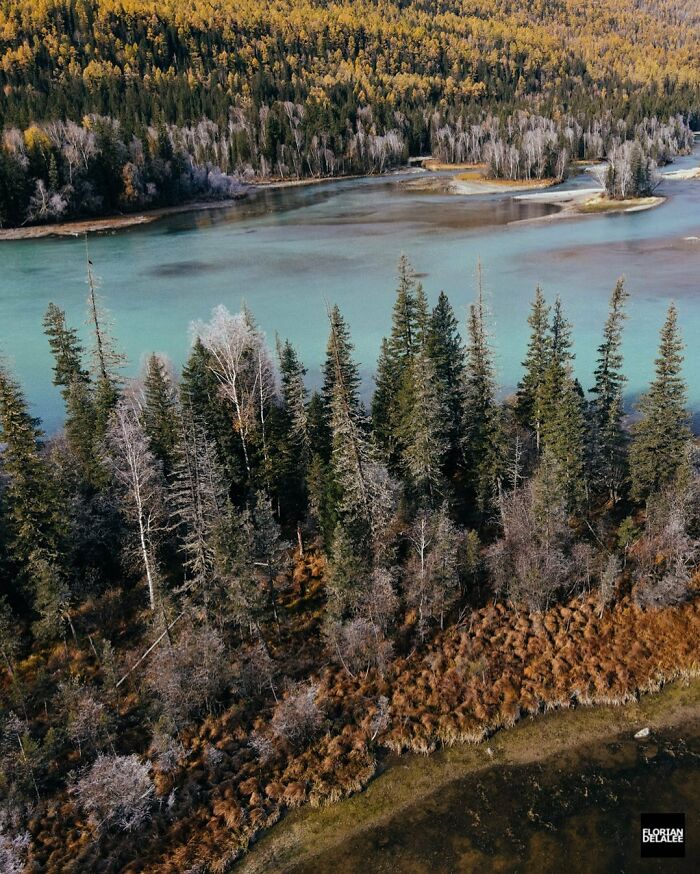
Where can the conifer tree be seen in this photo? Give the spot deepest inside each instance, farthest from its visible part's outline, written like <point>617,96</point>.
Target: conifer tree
<point>530,389</point>
<point>661,436</point>
<point>106,361</point>
<point>292,436</point>
<point>200,395</point>
<point>199,500</point>
<point>384,400</point>
<point>423,428</point>
<point>360,482</point>
<point>481,415</point>
<point>339,366</point>
<point>347,571</point>
<point>608,433</point>
<point>9,635</point>
<point>66,350</point>
<point>393,401</point>
<point>409,311</point>
<point>445,349</point>
<point>52,599</point>
<point>270,550</point>
<point>563,431</point>
<point>295,395</point>
<point>160,412</point>
<point>31,496</point>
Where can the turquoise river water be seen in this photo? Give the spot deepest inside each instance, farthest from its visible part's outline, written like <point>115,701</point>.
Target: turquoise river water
<point>288,251</point>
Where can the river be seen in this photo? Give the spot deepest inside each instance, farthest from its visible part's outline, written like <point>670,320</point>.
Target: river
<point>288,251</point>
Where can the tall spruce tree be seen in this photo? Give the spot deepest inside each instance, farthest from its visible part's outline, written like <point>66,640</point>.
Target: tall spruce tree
<point>481,413</point>
<point>31,497</point>
<point>339,366</point>
<point>661,436</point>
<point>425,444</point>
<point>609,437</point>
<point>201,396</point>
<point>563,431</point>
<point>78,394</point>
<point>393,401</point>
<point>445,349</point>
<point>529,397</point>
<point>66,350</point>
<point>350,446</point>
<point>293,445</point>
<point>160,412</point>
<point>106,360</point>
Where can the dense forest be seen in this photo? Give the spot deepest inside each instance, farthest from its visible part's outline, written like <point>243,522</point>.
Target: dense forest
<point>121,104</point>
<point>225,596</point>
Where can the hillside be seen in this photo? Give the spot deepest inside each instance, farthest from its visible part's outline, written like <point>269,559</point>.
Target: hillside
<point>114,106</point>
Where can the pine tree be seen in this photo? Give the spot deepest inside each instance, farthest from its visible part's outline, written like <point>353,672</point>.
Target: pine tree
<point>481,427</point>
<point>106,360</point>
<point>200,395</point>
<point>52,599</point>
<point>9,635</point>
<point>295,395</point>
<point>352,457</point>
<point>408,313</point>
<point>292,435</point>
<point>609,435</point>
<point>530,389</point>
<point>31,496</point>
<point>160,412</point>
<point>384,401</point>
<point>346,577</point>
<point>563,431</point>
<point>66,350</point>
<point>393,400</point>
<point>445,349</point>
<point>80,430</point>
<point>339,366</point>
<point>660,438</point>
<point>271,551</point>
<point>425,445</point>
<point>199,500</point>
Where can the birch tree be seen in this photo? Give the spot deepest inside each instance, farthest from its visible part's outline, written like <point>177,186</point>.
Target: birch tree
<point>140,480</point>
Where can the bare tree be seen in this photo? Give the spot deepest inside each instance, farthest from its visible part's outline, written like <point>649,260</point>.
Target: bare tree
<point>116,792</point>
<point>142,490</point>
<point>242,364</point>
<point>188,675</point>
<point>13,851</point>
<point>297,717</point>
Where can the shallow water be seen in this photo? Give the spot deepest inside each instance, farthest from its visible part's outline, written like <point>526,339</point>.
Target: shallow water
<point>577,813</point>
<point>288,251</point>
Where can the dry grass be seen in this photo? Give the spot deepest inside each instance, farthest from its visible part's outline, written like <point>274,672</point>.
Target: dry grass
<point>481,179</point>
<point>471,680</point>
<point>433,164</point>
<point>602,204</point>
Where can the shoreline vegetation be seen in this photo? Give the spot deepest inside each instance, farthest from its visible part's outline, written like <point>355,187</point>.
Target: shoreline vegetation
<point>468,181</point>
<point>305,834</point>
<point>245,663</point>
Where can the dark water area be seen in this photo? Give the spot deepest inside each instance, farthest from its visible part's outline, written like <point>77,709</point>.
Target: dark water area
<point>576,813</point>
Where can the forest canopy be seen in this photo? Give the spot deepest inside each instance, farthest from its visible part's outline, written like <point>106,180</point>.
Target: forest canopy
<point>157,103</point>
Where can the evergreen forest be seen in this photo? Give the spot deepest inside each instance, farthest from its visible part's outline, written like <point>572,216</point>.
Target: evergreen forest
<point>226,595</point>
<point>118,105</point>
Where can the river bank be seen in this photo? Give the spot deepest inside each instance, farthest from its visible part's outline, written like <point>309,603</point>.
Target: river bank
<point>308,838</point>
<point>108,224</point>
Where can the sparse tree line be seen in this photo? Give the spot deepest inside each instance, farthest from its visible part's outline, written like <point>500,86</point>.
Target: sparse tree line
<point>526,146</point>
<point>177,513</point>
<point>62,169</point>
